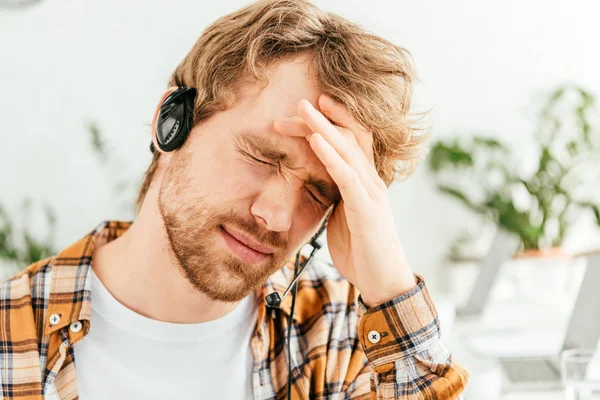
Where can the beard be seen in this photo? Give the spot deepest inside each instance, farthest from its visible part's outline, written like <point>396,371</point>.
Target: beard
<point>193,228</point>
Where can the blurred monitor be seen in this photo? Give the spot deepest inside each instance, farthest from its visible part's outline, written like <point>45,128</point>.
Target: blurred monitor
<point>503,248</point>
<point>583,331</point>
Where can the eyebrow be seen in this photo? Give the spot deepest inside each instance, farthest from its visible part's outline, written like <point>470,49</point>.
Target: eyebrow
<point>269,150</point>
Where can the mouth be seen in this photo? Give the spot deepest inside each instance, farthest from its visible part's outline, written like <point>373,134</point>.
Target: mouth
<point>244,248</point>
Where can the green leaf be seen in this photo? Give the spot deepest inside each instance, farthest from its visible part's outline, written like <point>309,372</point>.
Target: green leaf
<point>97,141</point>
<point>572,148</point>
<point>443,154</point>
<point>594,207</point>
<point>556,95</point>
<point>545,158</point>
<point>488,142</point>
<point>463,198</point>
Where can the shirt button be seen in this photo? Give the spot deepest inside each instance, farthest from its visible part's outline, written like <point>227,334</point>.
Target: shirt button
<point>75,326</point>
<point>54,319</point>
<point>374,337</point>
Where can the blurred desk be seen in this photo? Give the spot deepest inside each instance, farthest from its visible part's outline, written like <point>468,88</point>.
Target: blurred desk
<point>535,396</point>
<point>487,378</point>
<point>487,381</point>
<point>510,326</point>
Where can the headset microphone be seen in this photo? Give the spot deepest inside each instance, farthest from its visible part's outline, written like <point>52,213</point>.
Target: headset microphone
<point>274,299</point>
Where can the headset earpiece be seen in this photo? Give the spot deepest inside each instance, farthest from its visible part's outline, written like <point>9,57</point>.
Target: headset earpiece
<point>175,119</point>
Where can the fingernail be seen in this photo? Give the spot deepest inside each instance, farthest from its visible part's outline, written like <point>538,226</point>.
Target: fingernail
<point>283,119</point>
<point>326,100</point>
<point>308,104</point>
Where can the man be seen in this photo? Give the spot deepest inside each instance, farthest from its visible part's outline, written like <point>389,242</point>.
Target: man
<point>296,115</point>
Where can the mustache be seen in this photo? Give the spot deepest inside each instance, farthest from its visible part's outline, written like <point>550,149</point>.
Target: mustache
<point>253,230</point>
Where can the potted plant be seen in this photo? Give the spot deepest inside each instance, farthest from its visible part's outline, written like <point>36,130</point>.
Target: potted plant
<point>538,195</point>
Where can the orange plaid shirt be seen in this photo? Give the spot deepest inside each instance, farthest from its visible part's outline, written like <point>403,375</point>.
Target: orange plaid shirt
<point>332,356</point>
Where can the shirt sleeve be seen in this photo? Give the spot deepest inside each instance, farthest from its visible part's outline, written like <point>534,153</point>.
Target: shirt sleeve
<point>405,357</point>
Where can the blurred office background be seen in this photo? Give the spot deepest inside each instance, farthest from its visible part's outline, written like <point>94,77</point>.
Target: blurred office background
<point>80,80</point>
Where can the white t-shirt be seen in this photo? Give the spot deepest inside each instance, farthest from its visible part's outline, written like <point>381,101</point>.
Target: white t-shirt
<point>128,356</point>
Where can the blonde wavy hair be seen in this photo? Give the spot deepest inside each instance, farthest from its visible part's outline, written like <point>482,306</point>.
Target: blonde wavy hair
<point>371,76</point>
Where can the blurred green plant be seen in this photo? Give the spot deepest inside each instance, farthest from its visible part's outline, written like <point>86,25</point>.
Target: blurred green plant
<point>538,205</point>
<point>123,188</point>
<point>19,247</point>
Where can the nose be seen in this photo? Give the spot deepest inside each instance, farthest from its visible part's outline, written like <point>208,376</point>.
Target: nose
<point>274,207</point>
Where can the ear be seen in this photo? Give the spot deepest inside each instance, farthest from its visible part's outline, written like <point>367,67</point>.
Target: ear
<point>156,112</point>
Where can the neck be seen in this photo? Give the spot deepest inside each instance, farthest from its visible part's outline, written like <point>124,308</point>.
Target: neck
<point>140,272</point>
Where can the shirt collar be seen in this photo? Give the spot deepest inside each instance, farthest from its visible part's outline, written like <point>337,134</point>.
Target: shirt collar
<point>69,282</point>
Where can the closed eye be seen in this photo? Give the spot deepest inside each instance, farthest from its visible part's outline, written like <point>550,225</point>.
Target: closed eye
<point>259,160</point>
<point>314,198</point>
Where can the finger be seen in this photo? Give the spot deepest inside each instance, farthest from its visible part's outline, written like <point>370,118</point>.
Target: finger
<point>343,142</point>
<point>342,117</point>
<point>351,189</point>
<point>292,126</point>
<point>295,126</point>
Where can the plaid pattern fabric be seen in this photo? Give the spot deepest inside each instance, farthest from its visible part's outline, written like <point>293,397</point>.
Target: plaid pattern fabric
<point>332,356</point>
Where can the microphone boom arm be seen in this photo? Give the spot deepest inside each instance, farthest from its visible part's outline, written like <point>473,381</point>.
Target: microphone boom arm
<point>274,299</point>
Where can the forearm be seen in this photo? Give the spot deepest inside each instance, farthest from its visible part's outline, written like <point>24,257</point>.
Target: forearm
<point>406,358</point>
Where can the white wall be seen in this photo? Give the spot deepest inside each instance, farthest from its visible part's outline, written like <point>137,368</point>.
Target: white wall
<point>66,62</point>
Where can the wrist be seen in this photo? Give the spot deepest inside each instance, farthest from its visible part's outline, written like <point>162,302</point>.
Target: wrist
<point>387,292</point>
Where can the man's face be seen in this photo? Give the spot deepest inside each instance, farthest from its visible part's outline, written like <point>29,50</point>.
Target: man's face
<point>228,180</point>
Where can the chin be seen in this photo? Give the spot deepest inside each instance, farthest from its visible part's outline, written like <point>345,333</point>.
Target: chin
<point>226,285</point>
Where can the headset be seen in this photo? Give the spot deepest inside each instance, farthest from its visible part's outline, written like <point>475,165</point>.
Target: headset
<point>175,119</point>
<point>174,123</point>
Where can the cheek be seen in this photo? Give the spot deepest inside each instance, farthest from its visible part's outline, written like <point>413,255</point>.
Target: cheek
<point>237,179</point>
<point>217,174</point>
<point>241,184</point>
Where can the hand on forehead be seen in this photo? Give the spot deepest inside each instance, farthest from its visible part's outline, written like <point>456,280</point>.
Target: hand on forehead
<point>329,115</point>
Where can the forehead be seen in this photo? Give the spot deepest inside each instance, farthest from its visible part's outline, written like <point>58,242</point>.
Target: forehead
<point>256,108</point>
<point>287,82</point>
<point>265,148</point>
